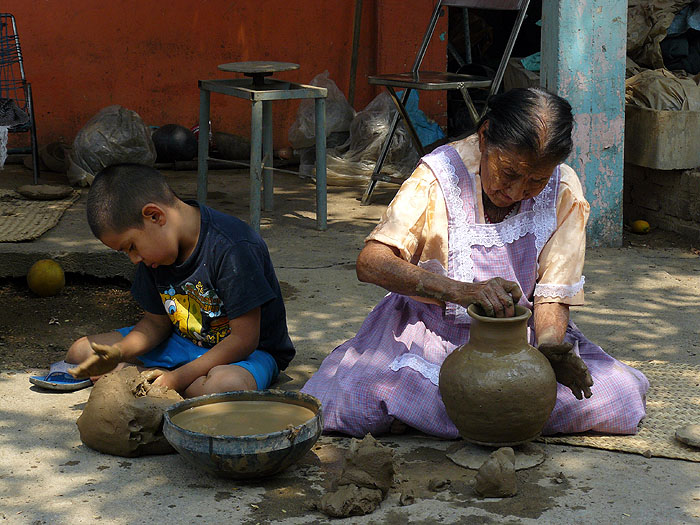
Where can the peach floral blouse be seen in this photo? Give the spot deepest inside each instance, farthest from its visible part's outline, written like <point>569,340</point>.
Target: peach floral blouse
<point>416,224</point>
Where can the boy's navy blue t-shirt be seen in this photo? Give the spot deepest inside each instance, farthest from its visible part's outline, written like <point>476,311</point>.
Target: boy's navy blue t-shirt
<point>228,274</point>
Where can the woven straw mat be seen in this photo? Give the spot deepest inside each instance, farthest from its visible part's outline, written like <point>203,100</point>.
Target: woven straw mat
<point>673,401</point>
<point>24,220</point>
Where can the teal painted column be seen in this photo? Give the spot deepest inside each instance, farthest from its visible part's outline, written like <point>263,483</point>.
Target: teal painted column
<point>583,60</point>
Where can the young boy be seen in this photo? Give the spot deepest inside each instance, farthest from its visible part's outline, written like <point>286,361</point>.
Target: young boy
<point>214,317</point>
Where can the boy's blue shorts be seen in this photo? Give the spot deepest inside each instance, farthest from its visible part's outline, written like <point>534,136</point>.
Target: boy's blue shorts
<point>177,351</point>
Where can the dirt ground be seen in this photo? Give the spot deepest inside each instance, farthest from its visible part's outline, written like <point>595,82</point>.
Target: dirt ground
<point>37,331</point>
<point>641,305</point>
<point>41,329</point>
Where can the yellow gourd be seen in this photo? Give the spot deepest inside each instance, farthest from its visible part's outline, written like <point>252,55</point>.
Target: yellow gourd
<point>640,227</point>
<point>46,278</point>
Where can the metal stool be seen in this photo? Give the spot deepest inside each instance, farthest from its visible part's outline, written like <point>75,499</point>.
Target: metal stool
<point>261,92</point>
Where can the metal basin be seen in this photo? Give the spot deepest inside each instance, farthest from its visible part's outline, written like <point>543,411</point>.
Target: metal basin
<point>245,457</point>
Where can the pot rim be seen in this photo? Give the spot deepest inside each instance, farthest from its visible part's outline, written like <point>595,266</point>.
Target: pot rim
<point>477,312</point>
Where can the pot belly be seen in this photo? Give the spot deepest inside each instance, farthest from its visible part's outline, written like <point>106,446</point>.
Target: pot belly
<point>498,399</point>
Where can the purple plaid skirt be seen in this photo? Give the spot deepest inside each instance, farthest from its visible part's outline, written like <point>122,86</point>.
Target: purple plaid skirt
<point>389,370</point>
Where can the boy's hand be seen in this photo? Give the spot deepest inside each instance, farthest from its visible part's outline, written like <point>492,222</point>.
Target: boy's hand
<point>104,359</point>
<point>153,374</point>
<point>163,378</point>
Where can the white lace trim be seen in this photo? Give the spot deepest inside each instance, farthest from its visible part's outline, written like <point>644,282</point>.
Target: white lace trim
<point>505,232</point>
<point>541,221</point>
<point>428,370</point>
<point>461,245</point>
<point>559,290</point>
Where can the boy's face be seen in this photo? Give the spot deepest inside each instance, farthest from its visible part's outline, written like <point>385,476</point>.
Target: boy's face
<point>151,244</point>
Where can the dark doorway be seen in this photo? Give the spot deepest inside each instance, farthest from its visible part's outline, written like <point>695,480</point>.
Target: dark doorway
<point>488,33</point>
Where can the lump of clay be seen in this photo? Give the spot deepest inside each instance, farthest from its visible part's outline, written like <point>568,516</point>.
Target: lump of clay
<point>689,434</point>
<point>438,484</point>
<point>350,500</point>
<point>496,477</point>
<point>124,415</point>
<point>368,464</point>
<point>407,497</point>
<point>367,475</point>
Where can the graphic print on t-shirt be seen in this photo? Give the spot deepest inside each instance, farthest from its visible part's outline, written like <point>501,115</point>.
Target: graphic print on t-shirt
<point>196,313</point>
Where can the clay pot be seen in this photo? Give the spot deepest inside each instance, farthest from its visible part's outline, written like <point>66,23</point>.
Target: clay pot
<point>497,389</point>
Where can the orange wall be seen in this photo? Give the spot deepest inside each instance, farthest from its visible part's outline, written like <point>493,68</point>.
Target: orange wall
<point>83,55</point>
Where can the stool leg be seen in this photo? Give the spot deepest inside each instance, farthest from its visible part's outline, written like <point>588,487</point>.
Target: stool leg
<point>376,174</point>
<point>473,113</point>
<point>380,161</point>
<point>203,145</point>
<point>321,193</point>
<point>401,108</point>
<point>35,144</point>
<point>367,195</point>
<point>267,155</point>
<point>255,163</point>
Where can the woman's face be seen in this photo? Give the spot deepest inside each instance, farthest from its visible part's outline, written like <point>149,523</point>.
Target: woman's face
<point>508,177</point>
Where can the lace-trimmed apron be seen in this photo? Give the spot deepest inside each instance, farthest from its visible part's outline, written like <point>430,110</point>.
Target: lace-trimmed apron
<point>390,369</point>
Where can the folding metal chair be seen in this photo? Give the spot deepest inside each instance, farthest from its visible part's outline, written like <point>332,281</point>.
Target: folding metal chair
<point>440,81</point>
<point>14,85</point>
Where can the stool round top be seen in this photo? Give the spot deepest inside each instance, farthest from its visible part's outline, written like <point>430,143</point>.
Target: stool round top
<point>258,67</point>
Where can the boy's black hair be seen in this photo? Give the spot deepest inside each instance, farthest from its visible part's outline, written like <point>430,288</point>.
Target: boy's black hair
<point>530,120</point>
<point>119,193</point>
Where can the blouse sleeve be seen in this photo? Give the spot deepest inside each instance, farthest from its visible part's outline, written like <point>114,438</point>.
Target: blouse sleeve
<point>559,275</point>
<point>403,222</point>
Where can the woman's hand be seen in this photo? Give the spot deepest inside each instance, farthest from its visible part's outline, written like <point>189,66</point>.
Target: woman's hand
<point>551,320</point>
<point>105,358</point>
<point>380,264</point>
<point>569,369</point>
<point>496,296</point>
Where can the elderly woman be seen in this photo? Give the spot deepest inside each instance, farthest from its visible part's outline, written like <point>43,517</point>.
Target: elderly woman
<point>493,219</point>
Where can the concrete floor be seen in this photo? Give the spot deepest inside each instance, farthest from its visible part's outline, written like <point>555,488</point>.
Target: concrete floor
<point>642,304</point>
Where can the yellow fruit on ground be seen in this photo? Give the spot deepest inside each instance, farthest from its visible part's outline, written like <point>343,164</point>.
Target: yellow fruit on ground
<point>640,227</point>
<point>46,278</point>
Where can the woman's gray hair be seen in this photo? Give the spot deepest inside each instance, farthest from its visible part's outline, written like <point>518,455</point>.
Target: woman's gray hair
<point>530,120</point>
